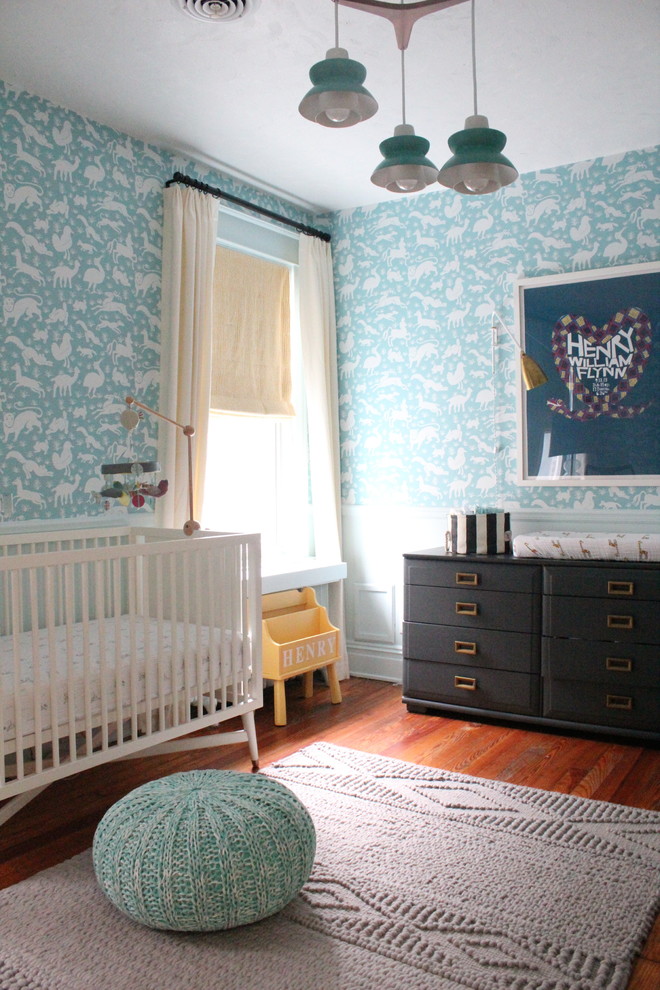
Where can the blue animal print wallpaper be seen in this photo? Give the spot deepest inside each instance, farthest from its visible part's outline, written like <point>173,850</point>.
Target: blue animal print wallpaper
<point>80,279</point>
<point>427,404</point>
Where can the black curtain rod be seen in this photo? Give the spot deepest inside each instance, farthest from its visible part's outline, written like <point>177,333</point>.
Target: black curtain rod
<point>185,180</point>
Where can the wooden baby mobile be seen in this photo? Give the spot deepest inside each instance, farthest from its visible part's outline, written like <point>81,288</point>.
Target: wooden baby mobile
<point>134,489</point>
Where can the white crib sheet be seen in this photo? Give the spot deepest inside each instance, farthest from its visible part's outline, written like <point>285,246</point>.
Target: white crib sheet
<point>149,656</point>
<point>589,546</point>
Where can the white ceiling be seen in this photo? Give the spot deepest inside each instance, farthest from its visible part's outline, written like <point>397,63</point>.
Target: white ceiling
<point>567,80</point>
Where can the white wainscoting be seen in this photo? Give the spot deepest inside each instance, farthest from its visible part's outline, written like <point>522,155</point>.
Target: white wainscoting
<point>375,539</point>
<point>375,615</point>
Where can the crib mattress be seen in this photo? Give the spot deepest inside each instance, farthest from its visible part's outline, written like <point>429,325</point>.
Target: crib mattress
<point>152,659</point>
<point>590,546</point>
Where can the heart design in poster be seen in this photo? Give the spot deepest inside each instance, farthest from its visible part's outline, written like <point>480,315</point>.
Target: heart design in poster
<point>600,365</point>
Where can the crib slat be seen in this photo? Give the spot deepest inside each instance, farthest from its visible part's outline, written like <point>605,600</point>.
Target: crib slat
<point>50,575</point>
<point>214,647</point>
<point>115,611</point>
<point>100,570</point>
<point>36,669</point>
<point>153,569</point>
<point>234,585</point>
<point>193,561</point>
<point>68,588</point>
<point>243,605</point>
<point>15,591</point>
<point>149,656</point>
<point>85,577</point>
<point>177,682</point>
<point>225,645</point>
<point>132,645</point>
<point>184,591</point>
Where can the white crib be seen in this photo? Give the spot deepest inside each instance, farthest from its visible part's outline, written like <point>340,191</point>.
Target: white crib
<point>114,642</point>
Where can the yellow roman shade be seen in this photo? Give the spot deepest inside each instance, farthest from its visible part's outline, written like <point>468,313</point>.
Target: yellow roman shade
<point>251,364</point>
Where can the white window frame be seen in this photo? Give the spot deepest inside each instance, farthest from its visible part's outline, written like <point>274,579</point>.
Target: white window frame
<point>239,232</point>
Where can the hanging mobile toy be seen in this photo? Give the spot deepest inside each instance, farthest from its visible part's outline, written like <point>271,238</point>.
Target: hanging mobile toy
<point>134,490</point>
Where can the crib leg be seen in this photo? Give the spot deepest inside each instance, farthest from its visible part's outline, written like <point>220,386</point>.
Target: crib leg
<point>251,733</point>
<point>12,805</point>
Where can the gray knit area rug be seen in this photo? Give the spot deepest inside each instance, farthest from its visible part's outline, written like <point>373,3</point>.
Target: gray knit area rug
<point>423,880</point>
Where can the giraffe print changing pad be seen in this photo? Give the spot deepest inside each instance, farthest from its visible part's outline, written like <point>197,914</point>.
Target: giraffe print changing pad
<point>589,546</point>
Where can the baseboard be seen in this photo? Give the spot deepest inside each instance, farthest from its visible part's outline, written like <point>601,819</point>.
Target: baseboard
<point>374,663</point>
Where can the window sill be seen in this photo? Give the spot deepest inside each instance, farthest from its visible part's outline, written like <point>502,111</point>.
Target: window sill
<point>282,574</point>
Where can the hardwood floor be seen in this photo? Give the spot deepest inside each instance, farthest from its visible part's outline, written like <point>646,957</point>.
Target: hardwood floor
<point>61,821</point>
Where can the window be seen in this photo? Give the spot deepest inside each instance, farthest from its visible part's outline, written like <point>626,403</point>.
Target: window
<point>257,471</point>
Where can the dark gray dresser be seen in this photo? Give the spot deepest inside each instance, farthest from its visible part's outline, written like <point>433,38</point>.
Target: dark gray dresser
<point>567,644</point>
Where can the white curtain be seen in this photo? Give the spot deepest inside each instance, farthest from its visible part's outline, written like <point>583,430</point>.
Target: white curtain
<point>189,236</point>
<point>319,349</point>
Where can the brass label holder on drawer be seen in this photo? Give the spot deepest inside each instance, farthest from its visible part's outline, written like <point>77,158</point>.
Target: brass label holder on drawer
<point>619,621</point>
<point>467,579</point>
<point>620,588</point>
<point>467,608</point>
<point>620,664</point>
<point>465,683</point>
<point>469,648</point>
<point>619,702</point>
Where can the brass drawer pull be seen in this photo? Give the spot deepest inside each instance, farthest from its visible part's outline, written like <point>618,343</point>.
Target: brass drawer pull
<point>471,579</point>
<point>620,588</point>
<point>466,683</point>
<point>618,663</point>
<point>469,648</point>
<point>619,622</point>
<point>619,701</point>
<point>466,608</point>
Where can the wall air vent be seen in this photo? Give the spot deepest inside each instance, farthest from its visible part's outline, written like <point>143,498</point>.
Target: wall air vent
<point>217,10</point>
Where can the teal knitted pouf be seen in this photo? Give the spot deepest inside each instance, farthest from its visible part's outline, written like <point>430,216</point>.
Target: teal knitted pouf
<point>204,850</point>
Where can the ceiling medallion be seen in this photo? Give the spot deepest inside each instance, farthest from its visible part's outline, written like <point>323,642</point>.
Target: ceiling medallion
<point>217,10</point>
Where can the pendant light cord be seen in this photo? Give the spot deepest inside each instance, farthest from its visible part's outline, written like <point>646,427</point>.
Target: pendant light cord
<point>474,61</point>
<point>336,23</point>
<point>403,83</point>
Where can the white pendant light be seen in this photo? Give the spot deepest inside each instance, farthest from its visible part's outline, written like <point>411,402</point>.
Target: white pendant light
<point>477,166</point>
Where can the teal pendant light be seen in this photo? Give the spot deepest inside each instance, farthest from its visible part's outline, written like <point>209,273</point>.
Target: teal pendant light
<point>338,97</point>
<point>405,167</point>
<point>477,166</point>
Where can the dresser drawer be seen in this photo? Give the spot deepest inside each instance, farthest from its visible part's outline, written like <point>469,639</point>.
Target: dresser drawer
<point>617,584</point>
<point>472,609</point>
<point>483,648</point>
<point>618,666</point>
<point>468,573</point>
<point>451,684</point>
<point>597,704</point>
<point>594,618</point>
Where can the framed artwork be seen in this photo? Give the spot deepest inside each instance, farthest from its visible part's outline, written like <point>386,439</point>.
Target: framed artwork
<point>596,421</point>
